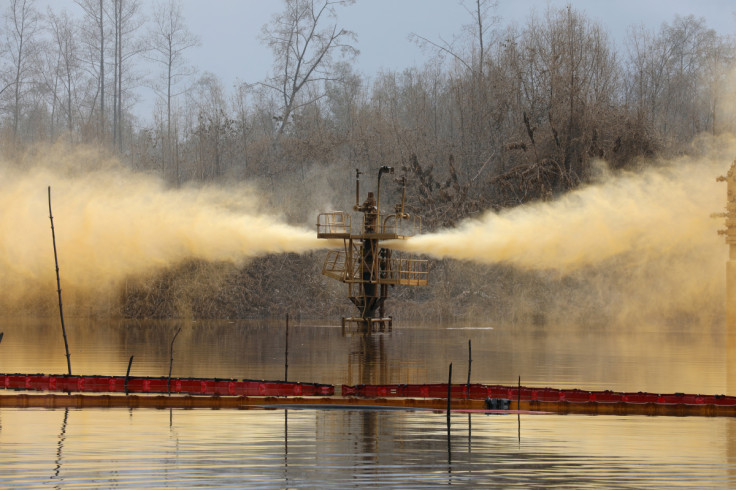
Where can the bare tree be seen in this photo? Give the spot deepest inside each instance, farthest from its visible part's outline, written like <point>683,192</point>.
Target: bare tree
<point>568,73</point>
<point>470,55</point>
<point>64,71</point>
<point>240,102</point>
<point>22,25</point>
<point>126,21</point>
<point>211,128</point>
<point>344,99</point>
<point>674,75</point>
<point>93,36</point>
<point>476,95</point>
<point>306,41</point>
<point>169,40</point>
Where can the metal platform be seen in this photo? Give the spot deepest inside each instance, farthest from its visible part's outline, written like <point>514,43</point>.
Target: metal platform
<point>371,324</point>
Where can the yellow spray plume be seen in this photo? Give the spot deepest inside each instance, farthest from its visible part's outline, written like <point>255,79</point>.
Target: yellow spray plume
<point>644,214</point>
<point>111,222</point>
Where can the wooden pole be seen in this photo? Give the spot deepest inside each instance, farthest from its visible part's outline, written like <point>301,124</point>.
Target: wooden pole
<point>127,374</point>
<point>286,351</point>
<point>518,411</point>
<point>470,361</point>
<point>58,288</point>
<point>449,396</point>
<point>518,395</point>
<point>171,360</point>
<point>449,438</point>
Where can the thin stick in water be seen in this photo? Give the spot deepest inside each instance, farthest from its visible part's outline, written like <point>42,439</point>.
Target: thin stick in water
<point>127,374</point>
<point>518,396</point>
<point>449,396</point>
<point>518,412</point>
<point>171,360</point>
<point>286,351</point>
<point>470,361</point>
<point>58,288</point>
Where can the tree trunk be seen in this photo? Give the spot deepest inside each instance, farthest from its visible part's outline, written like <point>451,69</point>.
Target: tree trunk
<point>102,72</point>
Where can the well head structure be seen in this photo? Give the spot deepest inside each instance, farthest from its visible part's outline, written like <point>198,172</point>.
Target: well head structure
<point>364,263</point>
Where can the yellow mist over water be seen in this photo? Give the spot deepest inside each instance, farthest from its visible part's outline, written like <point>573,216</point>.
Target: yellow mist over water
<point>112,223</point>
<point>641,245</point>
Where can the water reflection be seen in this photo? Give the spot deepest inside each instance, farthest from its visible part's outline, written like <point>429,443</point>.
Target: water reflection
<point>60,448</point>
<point>286,446</point>
<point>470,435</point>
<point>367,362</point>
<point>449,448</point>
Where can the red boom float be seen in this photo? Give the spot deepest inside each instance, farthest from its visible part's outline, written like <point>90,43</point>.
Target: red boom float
<point>481,392</point>
<point>138,384</point>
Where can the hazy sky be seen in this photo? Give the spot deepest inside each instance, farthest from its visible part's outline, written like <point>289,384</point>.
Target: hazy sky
<point>229,29</point>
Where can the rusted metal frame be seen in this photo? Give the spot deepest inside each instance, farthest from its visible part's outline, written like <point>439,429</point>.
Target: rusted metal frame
<point>348,246</point>
<point>376,262</point>
<point>369,301</point>
<point>356,284</point>
<point>390,273</point>
<point>334,265</point>
<point>364,266</point>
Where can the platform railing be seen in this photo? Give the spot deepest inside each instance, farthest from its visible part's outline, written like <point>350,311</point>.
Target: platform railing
<point>393,225</point>
<point>333,223</point>
<point>334,265</point>
<point>413,271</point>
<point>405,270</point>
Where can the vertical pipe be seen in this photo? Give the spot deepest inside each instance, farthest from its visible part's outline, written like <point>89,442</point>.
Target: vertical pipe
<point>286,351</point>
<point>378,200</point>
<point>357,188</point>
<point>403,196</point>
<point>381,171</point>
<point>470,361</point>
<point>58,288</point>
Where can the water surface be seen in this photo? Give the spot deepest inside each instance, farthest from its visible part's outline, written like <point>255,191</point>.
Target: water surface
<point>276,448</point>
